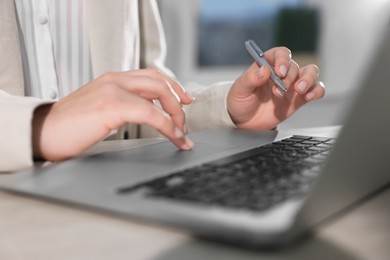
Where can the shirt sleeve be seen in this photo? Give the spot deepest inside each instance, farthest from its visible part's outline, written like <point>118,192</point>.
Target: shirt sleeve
<point>16,113</point>
<point>208,110</point>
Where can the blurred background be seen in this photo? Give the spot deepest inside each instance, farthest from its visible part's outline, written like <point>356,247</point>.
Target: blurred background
<point>206,38</point>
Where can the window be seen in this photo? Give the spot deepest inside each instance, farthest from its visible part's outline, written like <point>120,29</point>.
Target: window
<point>206,37</point>
<point>225,25</point>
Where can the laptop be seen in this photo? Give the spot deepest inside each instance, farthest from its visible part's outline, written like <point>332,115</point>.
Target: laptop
<point>246,188</point>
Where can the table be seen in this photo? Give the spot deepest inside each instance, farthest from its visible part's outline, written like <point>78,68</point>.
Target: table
<point>37,229</point>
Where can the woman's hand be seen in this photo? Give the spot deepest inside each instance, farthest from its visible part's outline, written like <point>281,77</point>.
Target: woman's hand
<point>78,121</point>
<point>254,102</point>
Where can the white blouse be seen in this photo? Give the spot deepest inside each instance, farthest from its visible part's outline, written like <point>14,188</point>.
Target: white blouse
<point>56,58</point>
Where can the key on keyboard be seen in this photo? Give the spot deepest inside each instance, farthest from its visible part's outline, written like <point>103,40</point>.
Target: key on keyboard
<point>255,180</point>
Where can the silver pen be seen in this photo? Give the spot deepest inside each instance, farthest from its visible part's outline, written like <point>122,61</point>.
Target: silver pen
<point>258,56</point>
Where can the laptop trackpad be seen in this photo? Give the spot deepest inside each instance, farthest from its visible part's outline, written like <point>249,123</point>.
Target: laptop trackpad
<point>108,170</point>
<point>162,154</point>
<point>155,160</point>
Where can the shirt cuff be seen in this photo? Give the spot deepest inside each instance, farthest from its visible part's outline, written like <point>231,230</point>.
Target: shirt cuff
<point>209,109</point>
<point>16,114</point>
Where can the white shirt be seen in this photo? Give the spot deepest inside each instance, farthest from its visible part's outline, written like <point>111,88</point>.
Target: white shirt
<point>57,58</point>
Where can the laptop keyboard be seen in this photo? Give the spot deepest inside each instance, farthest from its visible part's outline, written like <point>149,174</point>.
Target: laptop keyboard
<point>254,180</point>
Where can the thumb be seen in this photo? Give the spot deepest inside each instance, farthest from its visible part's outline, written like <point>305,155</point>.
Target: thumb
<point>254,77</point>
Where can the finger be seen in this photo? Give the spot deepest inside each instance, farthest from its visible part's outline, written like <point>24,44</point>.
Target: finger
<point>184,96</point>
<point>150,88</point>
<point>280,58</point>
<point>316,92</point>
<point>251,79</point>
<point>308,78</point>
<point>138,110</point>
<point>291,77</point>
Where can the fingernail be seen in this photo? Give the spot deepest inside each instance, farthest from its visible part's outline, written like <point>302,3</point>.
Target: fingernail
<point>302,86</point>
<point>188,94</point>
<point>310,96</point>
<point>260,72</point>
<point>178,133</point>
<point>279,92</point>
<point>189,144</point>
<point>283,70</point>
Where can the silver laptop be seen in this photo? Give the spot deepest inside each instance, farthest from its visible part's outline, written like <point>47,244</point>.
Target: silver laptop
<point>248,188</point>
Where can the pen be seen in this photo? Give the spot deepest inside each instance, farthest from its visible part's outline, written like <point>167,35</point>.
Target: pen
<point>258,56</point>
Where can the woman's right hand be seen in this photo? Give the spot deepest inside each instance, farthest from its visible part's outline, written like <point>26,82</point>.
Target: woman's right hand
<point>78,121</point>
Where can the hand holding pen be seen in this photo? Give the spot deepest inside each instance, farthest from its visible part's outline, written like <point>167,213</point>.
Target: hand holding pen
<point>271,89</point>
<point>258,56</point>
